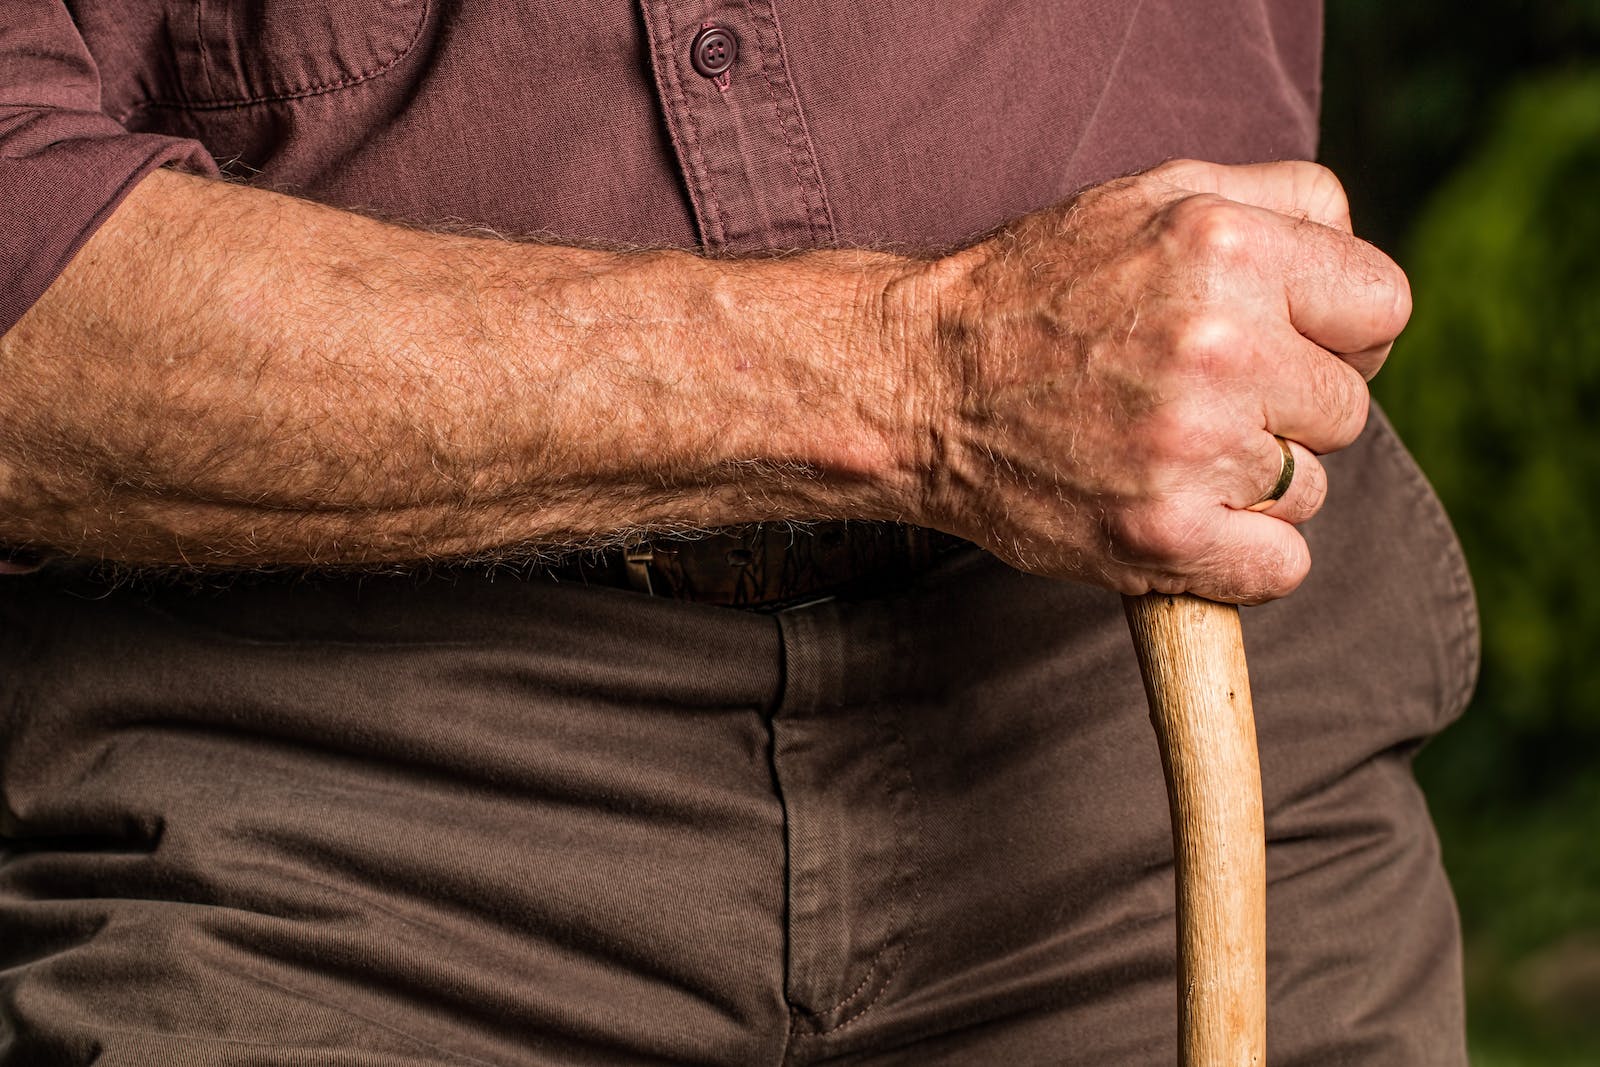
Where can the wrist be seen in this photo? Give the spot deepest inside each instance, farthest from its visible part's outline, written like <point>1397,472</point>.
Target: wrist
<point>926,322</point>
<point>845,336</point>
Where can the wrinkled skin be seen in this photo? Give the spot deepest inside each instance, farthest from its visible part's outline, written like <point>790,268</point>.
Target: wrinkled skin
<point>1118,365</point>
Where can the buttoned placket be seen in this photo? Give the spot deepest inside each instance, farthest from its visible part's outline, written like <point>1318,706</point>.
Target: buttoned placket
<point>737,126</point>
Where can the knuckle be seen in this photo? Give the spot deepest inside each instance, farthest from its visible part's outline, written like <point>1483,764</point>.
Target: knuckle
<point>1212,228</point>
<point>1172,435</point>
<point>1356,414</point>
<point>1294,564</point>
<point>1400,310</point>
<point>1311,486</point>
<point>1387,300</point>
<point>1345,403</point>
<point>1177,172</point>
<point>1210,343</point>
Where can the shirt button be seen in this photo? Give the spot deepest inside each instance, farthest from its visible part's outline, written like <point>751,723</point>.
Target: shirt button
<point>713,51</point>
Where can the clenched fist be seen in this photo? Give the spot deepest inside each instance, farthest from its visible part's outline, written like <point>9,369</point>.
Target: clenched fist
<point>1111,372</point>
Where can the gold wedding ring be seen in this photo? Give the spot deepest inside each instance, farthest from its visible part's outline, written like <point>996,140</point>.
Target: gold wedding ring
<point>1285,478</point>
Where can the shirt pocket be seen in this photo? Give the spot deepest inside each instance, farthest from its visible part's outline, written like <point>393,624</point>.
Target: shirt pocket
<point>230,53</point>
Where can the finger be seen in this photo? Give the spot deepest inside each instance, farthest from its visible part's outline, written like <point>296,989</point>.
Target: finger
<point>1247,558</point>
<point>1336,290</point>
<point>1295,187</point>
<point>1260,558</point>
<point>1197,544</point>
<point>1307,491</point>
<point>1342,293</point>
<point>1310,395</point>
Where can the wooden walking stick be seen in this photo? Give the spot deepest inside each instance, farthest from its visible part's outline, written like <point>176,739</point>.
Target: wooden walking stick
<point>1191,654</point>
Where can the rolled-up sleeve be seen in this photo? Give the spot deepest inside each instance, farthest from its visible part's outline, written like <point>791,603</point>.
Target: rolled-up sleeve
<point>64,164</point>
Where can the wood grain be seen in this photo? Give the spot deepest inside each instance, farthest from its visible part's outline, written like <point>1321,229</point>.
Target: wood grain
<point>1191,653</point>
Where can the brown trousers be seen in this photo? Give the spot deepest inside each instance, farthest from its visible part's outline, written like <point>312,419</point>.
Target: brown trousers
<point>468,821</point>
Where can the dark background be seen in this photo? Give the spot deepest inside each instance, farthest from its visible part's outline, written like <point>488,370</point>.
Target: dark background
<point>1469,139</point>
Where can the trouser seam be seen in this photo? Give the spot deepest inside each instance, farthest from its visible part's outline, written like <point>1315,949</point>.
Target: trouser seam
<point>785,874</point>
<point>889,958</point>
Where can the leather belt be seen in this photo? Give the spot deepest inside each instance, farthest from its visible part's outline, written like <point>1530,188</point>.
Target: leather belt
<point>765,566</point>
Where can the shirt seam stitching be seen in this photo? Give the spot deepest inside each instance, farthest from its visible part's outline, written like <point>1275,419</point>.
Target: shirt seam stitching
<point>681,119</point>
<point>319,89</point>
<point>798,156</point>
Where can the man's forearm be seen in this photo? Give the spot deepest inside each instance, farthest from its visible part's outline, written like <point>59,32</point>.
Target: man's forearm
<point>1100,390</point>
<point>228,376</point>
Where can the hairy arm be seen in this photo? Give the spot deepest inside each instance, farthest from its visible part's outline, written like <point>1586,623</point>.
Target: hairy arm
<point>229,376</point>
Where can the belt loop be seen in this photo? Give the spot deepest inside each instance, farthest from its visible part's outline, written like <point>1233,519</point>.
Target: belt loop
<point>636,561</point>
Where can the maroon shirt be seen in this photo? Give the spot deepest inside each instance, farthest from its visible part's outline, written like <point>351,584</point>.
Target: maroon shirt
<point>890,122</point>
<point>900,122</point>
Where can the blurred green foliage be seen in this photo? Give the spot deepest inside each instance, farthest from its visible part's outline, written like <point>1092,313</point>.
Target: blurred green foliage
<point>1409,89</point>
<point>1471,147</point>
<point>1497,386</point>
